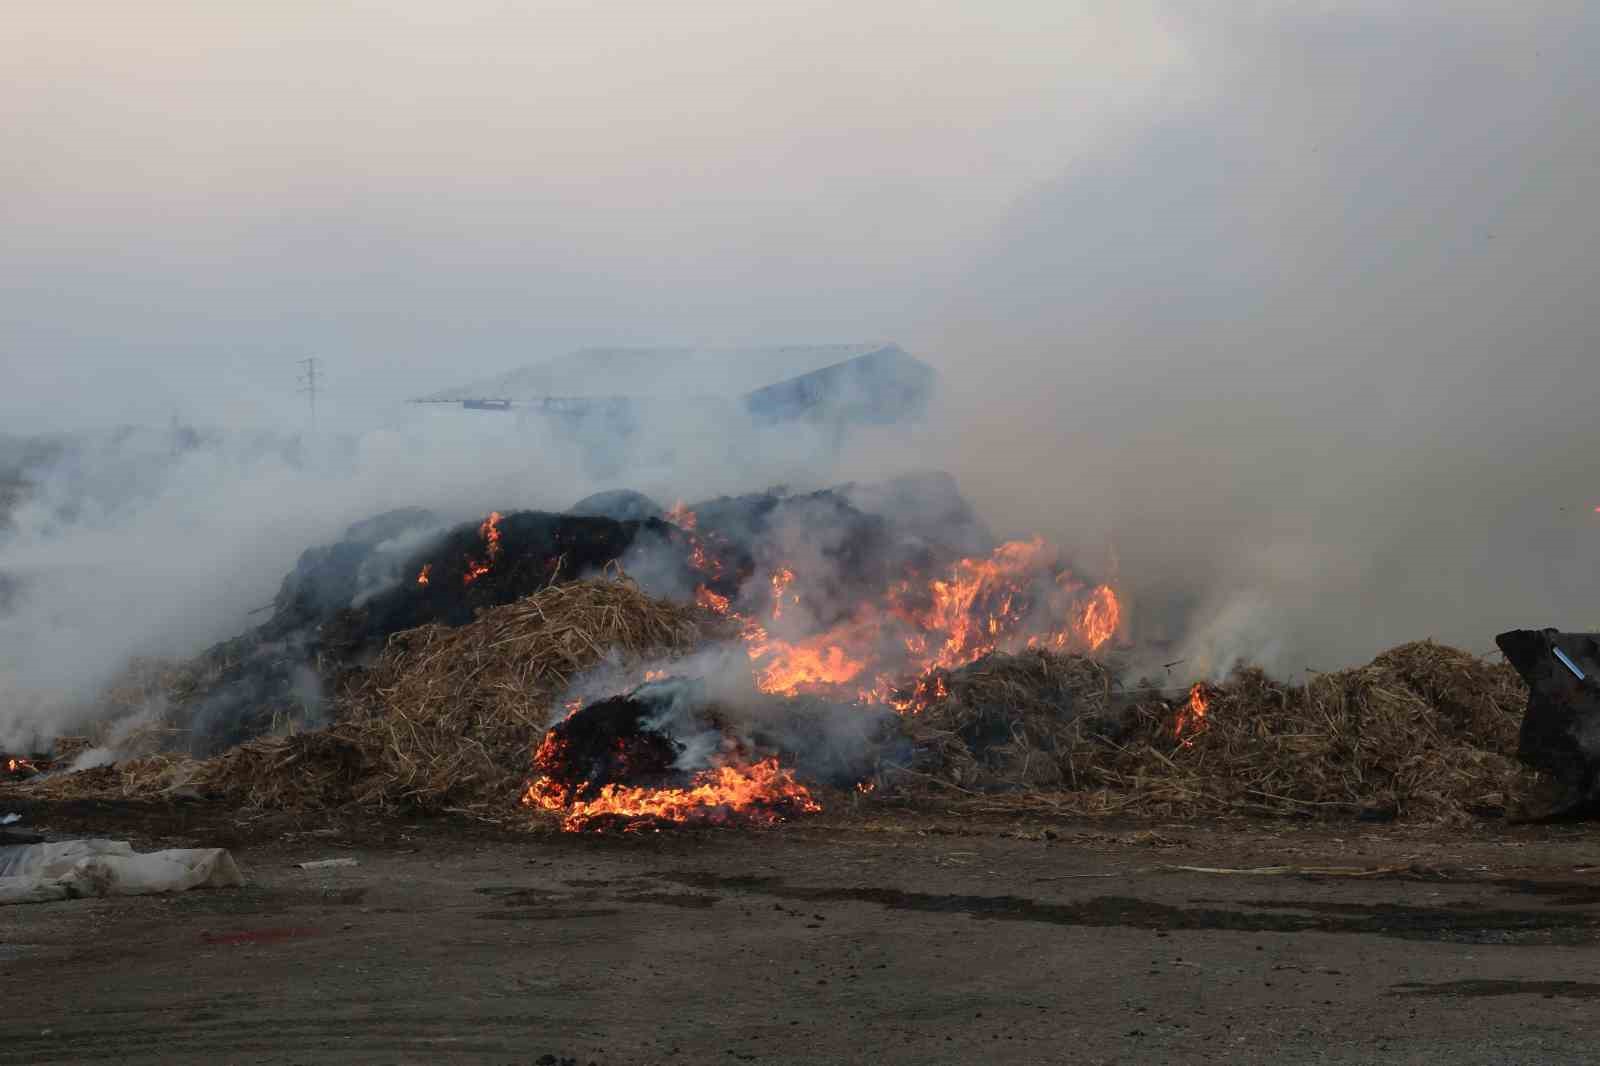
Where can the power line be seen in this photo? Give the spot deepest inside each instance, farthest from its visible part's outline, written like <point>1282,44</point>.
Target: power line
<point>308,385</point>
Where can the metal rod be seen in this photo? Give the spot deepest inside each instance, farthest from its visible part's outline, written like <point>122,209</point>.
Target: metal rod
<point>1568,663</point>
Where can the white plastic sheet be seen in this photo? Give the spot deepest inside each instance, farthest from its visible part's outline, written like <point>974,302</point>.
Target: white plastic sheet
<point>37,873</point>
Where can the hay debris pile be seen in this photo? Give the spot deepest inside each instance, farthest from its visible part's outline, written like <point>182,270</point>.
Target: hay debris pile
<point>1423,731</point>
<point>444,719</point>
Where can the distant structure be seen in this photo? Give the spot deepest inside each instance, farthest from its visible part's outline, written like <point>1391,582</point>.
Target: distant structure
<point>835,384</point>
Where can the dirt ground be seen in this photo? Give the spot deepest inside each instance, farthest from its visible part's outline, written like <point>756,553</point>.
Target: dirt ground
<point>875,937</point>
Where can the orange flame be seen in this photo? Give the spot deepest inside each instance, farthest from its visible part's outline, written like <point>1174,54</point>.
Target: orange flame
<point>710,600</point>
<point>1003,602</point>
<point>490,532</point>
<point>1191,717</point>
<point>16,765</point>
<point>759,794</point>
<point>422,578</point>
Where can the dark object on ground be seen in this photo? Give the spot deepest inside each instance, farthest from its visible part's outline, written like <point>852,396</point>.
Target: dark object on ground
<point>1560,733</point>
<point>10,836</point>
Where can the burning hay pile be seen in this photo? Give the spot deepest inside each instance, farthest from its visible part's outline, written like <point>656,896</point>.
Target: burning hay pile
<point>889,658</point>
<point>1423,731</point>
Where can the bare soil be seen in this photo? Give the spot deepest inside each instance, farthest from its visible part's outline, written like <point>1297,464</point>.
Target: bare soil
<point>878,936</point>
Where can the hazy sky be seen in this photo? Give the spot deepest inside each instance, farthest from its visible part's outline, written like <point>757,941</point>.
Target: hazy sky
<point>196,194</point>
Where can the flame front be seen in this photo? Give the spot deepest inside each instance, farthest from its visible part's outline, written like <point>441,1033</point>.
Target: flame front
<point>16,766</point>
<point>1014,598</point>
<point>422,578</point>
<point>896,647</point>
<point>762,793</point>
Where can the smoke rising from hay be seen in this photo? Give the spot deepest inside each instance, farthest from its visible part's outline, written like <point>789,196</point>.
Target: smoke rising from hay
<point>1282,316</point>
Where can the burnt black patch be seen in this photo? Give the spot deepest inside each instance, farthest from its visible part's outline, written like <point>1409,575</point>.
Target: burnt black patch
<point>1547,989</point>
<point>549,914</point>
<point>1445,924</point>
<point>1561,893</point>
<point>687,900</point>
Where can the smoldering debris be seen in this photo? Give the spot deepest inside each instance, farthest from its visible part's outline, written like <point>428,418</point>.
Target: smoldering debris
<point>406,568</point>
<point>391,573</point>
<point>1424,731</point>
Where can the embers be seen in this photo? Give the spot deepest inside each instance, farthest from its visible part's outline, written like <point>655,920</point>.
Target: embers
<point>612,765</point>
<point>20,767</point>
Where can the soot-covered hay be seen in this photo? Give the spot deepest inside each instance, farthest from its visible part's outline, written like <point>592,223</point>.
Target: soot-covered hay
<point>1423,731</point>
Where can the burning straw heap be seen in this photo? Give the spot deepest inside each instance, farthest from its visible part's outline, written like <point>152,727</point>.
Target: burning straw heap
<point>1424,730</point>
<point>993,659</point>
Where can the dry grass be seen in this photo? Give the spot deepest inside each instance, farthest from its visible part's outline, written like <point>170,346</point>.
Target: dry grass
<point>1424,731</point>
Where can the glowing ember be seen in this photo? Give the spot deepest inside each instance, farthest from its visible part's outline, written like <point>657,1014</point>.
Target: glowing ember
<point>1192,716</point>
<point>422,578</point>
<point>710,600</point>
<point>490,532</point>
<point>762,793</point>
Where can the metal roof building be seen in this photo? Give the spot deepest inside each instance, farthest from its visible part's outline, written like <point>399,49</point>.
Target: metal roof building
<point>872,383</point>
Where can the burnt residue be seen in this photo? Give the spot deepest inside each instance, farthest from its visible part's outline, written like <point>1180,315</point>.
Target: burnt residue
<point>1481,987</point>
<point>1455,925</point>
<point>686,900</point>
<point>549,914</point>
<point>1559,893</point>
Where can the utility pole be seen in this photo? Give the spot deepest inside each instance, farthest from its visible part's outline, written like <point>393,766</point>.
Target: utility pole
<point>308,385</point>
